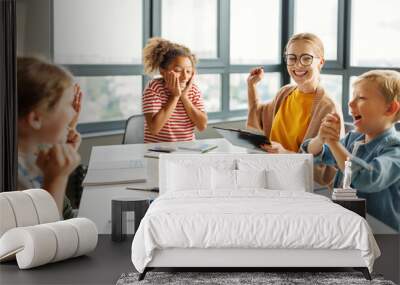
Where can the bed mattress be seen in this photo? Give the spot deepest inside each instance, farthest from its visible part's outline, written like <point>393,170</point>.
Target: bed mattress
<point>250,219</point>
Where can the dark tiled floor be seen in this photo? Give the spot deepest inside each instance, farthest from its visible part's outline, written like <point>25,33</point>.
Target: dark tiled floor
<point>110,260</point>
<point>102,266</point>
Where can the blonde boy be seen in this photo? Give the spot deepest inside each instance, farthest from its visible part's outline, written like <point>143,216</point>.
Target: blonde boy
<point>374,146</point>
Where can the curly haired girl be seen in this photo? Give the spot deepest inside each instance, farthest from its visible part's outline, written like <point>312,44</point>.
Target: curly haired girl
<point>173,104</point>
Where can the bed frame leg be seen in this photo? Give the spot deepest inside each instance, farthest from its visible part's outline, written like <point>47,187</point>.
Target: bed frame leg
<point>364,271</point>
<point>143,274</point>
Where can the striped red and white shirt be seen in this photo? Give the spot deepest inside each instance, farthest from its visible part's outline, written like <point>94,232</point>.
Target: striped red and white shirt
<point>179,127</point>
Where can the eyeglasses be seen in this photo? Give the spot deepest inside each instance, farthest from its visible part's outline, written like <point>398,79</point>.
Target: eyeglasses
<point>305,59</point>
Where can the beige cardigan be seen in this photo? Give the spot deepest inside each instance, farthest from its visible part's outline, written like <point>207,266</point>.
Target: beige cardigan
<point>260,117</point>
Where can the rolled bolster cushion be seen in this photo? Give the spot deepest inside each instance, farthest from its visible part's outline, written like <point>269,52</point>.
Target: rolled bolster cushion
<point>66,239</point>
<point>23,208</point>
<point>33,246</point>
<point>7,217</point>
<point>40,244</point>
<point>87,234</point>
<point>26,208</point>
<point>46,207</point>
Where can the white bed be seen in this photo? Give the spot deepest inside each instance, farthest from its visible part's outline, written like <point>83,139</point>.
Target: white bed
<point>219,211</point>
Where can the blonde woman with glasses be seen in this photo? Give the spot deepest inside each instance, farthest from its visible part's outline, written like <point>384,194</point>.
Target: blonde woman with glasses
<point>297,111</point>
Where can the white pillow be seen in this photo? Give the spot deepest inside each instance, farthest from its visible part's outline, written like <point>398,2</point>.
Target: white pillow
<point>224,179</point>
<point>251,178</point>
<point>229,179</point>
<point>292,178</point>
<point>188,177</point>
<point>282,172</point>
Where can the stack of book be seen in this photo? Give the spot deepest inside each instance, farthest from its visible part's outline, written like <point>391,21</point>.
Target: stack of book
<point>344,194</point>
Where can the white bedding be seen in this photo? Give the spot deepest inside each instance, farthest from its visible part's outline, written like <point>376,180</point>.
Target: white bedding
<point>252,218</point>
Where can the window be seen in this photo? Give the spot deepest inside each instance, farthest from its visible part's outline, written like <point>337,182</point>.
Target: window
<point>267,88</point>
<point>110,98</point>
<point>323,23</point>
<point>103,45</point>
<point>115,29</point>
<point>192,23</point>
<point>375,33</point>
<point>210,86</point>
<point>101,42</point>
<point>346,101</point>
<point>255,32</point>
<point>333,85</point>
<point>351,88</point>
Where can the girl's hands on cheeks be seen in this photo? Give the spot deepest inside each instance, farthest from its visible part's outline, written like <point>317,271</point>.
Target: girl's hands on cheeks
<point>77,105</point>
<point>255,76</point>
<point>74,138</point>
<point>58,162</point>
<point>172,81</point>
<point>189,85</point>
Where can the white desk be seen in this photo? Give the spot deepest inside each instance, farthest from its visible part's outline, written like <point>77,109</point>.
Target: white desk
<point>96,200</point>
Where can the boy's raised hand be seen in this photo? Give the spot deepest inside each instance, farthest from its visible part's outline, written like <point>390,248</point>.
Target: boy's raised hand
<point>255,76</point>
<point>330,128</point>
<point>172,81</point>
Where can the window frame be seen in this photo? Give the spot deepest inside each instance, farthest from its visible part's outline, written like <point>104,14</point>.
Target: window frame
<point>94,70</point>
<point>221,65</point>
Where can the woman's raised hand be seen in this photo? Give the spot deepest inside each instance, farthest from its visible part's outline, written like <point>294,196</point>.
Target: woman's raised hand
<point>255,76</point>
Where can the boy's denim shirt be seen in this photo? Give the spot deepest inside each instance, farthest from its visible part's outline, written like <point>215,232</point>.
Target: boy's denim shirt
<point>375,172</point>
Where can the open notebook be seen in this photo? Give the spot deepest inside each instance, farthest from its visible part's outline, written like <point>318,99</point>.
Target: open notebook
<point>116,172</point>
<point>192,147</point>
